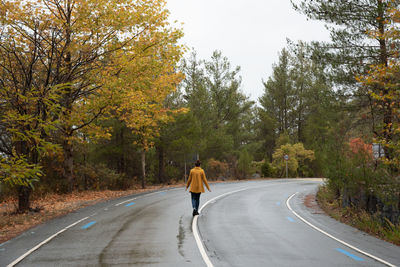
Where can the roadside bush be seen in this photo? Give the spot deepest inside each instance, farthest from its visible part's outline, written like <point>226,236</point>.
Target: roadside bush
<point>305,171</point>
<point>99,177</point>
<point>267,170</point>
<point>360,182</point>
<point>256,167</point>
<point>172,173</point>
<point>217,169</point>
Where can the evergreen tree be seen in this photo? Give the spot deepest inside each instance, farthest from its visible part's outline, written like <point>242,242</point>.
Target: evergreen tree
<point>274,115</point>
<point>352,51</point>
<point>278,95</point>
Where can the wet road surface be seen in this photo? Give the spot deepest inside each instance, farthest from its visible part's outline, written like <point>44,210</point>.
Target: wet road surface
<point>252,227</point>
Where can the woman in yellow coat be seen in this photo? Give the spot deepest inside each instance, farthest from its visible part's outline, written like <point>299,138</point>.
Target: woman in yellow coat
<point>196,179</point>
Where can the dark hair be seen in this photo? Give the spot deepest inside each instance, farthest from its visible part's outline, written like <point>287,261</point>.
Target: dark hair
<point>197,163</point>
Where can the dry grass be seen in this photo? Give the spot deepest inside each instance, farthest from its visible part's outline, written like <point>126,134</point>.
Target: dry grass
<point>369,223</point>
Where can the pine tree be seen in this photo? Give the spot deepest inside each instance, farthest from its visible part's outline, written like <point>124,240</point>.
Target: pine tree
<point>352,51</point>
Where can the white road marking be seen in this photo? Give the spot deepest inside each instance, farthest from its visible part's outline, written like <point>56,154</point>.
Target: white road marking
<point>43,242</point>
<point>334,238</point>
<point>195,228</point>
<point>116,205</point>
<point>63,230</point>
<point>146,195</point>
<point>196,231</point>
<point>203,253</point>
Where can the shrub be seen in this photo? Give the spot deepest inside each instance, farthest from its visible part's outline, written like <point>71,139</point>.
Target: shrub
<point>217,169</point>
<point>267,170</point>
<point>172,173</point>
<point>99,177</point>
<point>298,157</point>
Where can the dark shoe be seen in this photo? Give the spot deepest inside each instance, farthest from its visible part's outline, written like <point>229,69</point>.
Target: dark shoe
<point>195,212</point>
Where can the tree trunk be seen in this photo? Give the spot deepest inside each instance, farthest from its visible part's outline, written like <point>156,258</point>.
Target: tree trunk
<point>68,164</point>
<point>24,193</point>
<point>143,167</point>
<point>161,165</point>
<point>185,176</point>
<point>388,112</point>
<point>119,141</point>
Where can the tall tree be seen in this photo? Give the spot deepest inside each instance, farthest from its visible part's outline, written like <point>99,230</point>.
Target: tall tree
<point>74,55</point>
<point>142,108</point>
<point>386,77</point>
<point>277,100</point>
<point>213,94</point>
<point>351,50</point>
<point>27,104</point>
<point>228,102</point>
<point>298,87</point>
<point>302,79</point>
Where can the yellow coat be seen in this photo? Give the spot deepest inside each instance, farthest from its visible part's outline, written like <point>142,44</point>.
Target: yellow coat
<point>196,179</point>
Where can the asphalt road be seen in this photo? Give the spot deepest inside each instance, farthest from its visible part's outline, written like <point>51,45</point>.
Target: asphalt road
<point>244,224</point>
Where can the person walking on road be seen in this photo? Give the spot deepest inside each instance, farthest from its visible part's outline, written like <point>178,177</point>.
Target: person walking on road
<point>196,179</point>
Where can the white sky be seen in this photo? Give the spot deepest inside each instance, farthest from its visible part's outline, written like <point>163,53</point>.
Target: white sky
<point>250,33</point>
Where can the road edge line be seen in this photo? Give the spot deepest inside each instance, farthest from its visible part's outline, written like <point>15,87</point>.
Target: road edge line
<point>335,238</point>
<point>199,243</point>
<point>195,230</point>
<point>43,242</point>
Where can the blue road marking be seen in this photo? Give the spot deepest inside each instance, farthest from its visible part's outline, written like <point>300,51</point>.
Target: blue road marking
<point>86,226</point>
<point>290,219</point>
<point>354,257</point>
<point>278,203</point>
<point>163,193</point>
<point>130,204</point>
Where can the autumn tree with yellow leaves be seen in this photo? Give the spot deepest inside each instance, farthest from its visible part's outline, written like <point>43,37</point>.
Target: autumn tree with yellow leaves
<point>297,158</point>
<point>67,64</point>
<point>152,78</point>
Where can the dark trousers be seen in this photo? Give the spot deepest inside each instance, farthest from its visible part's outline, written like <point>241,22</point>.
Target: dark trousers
<point>195,200</point>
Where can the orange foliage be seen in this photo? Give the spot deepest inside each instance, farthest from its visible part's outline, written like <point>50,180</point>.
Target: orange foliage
<point>216,168</point>
<point>358,146</point>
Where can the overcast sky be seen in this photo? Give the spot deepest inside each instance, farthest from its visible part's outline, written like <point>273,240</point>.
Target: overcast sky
<point>250,33</point>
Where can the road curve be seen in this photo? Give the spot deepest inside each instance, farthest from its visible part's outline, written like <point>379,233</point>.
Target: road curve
<point>254,227</point>
<point>251,227</point>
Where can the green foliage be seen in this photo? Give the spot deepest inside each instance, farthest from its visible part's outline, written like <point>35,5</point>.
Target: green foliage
<point>351,50</point>
<point>17,171</point>
<point>27,127</point>
<point>355,177</point>
<point>221,116</point>
<point>298,104</point>
<point>279,95</point>
<point>283,139</point>
<point>267,169</point>
<point>99,177</point>
<point>173,173</point>
<point>244,163</point>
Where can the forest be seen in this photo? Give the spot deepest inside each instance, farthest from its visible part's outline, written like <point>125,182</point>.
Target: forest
<point>101,95</point>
